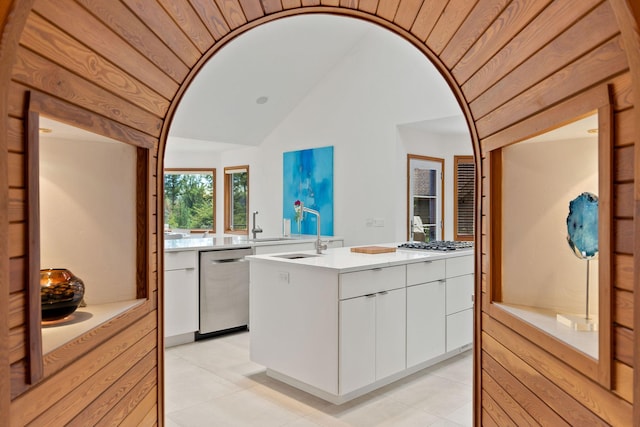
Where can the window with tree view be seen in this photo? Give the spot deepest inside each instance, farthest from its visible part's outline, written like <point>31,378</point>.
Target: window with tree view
<point>236,208</point>
<point>189,199</point>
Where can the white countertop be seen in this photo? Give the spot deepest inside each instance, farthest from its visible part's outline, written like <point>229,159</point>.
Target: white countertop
<point>343,260</point>
<point>230,242</point>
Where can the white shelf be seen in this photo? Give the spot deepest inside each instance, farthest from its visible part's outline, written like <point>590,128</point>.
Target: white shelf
<point>84,319</point>
<point>544,319</point>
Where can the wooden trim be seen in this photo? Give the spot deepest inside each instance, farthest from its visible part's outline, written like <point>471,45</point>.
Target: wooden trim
<point>227,200</point>
<point>75,116</point>
<point>142,215</point>
<point>456,161</point>
<point>430,159</point>
<point>34,314</point>
<point>627,14</point>
<point>605,241</point>
<point>578,107</point>
<point>495,227</point>
<point>38,365</point>
<point>13,15</point>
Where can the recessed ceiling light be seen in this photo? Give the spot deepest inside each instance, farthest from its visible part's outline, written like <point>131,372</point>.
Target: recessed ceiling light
<point>592,130</point>
<point>45,130</point>
<point>262,100</point>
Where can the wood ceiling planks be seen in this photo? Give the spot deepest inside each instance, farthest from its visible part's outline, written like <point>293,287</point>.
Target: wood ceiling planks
<point>516,35</point>
<point>41,36</point>
<point>596,26</point>
<point>165,29</point>
<point>159,69</point>
<point>452,17</point>
<point>471,29</point>
<point>427,17</point>
<point>39,73</point>
<point>190,23</point>
<point>211,17</point>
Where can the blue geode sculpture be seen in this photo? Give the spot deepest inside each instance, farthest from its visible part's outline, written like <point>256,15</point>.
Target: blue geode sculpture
<point>582,226</point>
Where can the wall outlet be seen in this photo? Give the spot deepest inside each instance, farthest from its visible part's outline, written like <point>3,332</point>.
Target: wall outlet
<point>283,276</point>
<point>369,222</point>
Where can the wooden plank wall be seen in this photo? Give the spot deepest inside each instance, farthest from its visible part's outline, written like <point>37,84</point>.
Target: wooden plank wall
<point>124,63</point>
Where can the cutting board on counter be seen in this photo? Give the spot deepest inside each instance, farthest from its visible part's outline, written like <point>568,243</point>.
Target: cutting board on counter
<point>373,249</point>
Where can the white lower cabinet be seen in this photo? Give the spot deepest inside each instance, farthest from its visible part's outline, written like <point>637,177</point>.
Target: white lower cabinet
<point>180,295</point>
<point>357,345</point>
<point>372,338</point>
<point>459,329</point>
<point>459,307</point>
<point>425,322</point>
<point>390,332</point>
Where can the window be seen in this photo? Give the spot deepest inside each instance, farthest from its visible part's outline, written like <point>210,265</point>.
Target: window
<point>189,199</point>
<point>547,176</point>
<point>463,197</point>
<point>425,191</point>
<point>236,197</point>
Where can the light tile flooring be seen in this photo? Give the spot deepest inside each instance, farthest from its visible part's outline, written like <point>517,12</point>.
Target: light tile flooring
<point>213,383</point>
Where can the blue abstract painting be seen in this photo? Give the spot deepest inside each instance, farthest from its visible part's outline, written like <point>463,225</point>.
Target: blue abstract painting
<point>308,177</point>
<point>582,225</point>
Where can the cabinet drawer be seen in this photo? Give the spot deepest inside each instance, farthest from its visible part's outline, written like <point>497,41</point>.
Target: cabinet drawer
<point>424,272</point>
<point>459,293</point>
<point>459,266</point>
<point>179,260</point>
<point>371,281</point>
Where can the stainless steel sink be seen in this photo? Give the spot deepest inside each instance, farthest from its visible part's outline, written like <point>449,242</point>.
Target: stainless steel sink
<point>295,256</point>
<point>270,239</point>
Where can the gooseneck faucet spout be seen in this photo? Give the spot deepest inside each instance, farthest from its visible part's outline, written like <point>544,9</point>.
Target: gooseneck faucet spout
<point>256,229</point>
<point>319,244</point>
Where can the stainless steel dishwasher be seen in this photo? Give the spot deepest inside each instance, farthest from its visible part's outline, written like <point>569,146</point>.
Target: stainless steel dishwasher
<point>224,291</point>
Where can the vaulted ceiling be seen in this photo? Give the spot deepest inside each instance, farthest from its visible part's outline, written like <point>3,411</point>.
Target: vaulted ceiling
<point>255,81</point>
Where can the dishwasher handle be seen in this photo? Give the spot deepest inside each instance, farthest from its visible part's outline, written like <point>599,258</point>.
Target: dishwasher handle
<point>223,261</point>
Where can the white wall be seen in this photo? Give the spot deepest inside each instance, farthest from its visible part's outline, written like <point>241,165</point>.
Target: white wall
<point>357,111</point>
<point>87,215</point>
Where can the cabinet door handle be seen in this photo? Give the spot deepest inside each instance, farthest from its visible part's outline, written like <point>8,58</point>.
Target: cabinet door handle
<point>370,295</point>
<point>377,269</point>
<point>428,262</point>
<point>383,292</point>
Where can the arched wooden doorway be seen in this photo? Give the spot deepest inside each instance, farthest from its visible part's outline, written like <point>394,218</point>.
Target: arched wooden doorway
<point>506,63</point>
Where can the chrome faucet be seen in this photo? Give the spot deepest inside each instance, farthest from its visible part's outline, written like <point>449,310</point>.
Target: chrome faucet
<point>319,244</point>
<point>255,230</point>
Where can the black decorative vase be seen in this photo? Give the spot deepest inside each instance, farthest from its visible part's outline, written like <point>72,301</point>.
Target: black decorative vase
<point>60,293</point>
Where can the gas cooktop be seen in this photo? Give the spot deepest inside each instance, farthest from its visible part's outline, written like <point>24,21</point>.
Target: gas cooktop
<point>437,245</point>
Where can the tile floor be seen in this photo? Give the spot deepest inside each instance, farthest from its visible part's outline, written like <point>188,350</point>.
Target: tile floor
<point>213,383</point>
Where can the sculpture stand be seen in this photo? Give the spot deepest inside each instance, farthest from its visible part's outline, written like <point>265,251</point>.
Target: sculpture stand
<point>580,323</point>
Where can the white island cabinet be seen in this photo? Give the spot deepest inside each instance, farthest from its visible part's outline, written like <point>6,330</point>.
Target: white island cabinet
<point>341,324</point>
<point>372,322</point>
<point>459,302</point>
<point>426,322</point>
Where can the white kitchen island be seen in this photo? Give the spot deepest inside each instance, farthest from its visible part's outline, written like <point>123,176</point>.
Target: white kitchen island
<point>341,324</point>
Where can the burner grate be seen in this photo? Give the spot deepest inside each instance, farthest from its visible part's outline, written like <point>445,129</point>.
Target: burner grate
<point>437,245</point>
